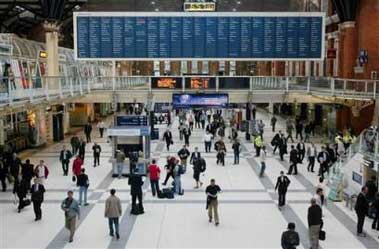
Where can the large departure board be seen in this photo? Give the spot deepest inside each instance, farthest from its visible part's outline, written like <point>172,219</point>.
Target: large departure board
<point>220,35</point>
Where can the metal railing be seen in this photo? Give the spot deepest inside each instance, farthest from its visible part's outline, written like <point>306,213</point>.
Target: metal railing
<point>13,90</point>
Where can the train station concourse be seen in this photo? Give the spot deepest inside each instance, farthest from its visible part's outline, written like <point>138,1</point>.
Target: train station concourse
<point>189,124</point>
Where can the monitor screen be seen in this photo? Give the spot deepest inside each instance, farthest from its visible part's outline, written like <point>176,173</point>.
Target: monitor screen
<point>200,83</point>
<point>199,100</point>
<point>166,83</point>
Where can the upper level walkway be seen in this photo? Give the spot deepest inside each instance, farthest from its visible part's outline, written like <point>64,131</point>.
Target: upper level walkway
<point>256,89</point>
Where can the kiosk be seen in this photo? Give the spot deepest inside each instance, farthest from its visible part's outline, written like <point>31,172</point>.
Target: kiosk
<point>131,135</point>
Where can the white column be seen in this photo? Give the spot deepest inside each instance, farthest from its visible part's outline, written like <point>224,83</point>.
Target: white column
<point>52,39</point>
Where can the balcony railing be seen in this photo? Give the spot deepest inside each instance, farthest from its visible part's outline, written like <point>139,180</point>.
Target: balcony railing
<point>18,90</point>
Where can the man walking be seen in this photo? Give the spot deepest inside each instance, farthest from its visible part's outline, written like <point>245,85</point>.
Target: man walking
<point>83,183</point>
<point>101,127</point>
<point>75,143</point>
<point>71,211</point>
<point>311,153</point>
<point>37,192</point>
<point>113,212</point>
<point>361,208</point>
<point>273,123</point>
<point>64,158</point>
<point>135,182</point>
<point>258,145</point>
<point>323,159</point>
<point>290,238</point>
<point>87,132</point>
<point>167,136</point>
<point>289,129</point>
<point>120,158</point>
<point>236,150</point>
<point>212,203</point>
<point>263,161</point>
<point>96,154</point>
<point>154,172</point>
<point>294,158</point>
<point>41,172</point>
<point>282,185</point>
<point>82,148</point>
<point>314,223</point>
<point>199,166</point>
<point>208,141</point>
<point>183,154</point>
<point>301,150</point>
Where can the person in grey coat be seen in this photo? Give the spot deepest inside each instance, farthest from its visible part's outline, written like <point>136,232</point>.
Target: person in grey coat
<point>113,212</point>
<point>71,209</point>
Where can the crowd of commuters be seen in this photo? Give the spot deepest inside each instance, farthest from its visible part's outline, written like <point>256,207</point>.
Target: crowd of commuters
<point>217,132</point>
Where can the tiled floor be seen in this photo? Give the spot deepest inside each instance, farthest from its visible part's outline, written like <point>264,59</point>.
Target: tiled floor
<point>248,207</point>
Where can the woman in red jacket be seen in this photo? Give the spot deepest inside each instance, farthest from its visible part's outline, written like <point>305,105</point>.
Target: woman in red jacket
<point>77,166</point>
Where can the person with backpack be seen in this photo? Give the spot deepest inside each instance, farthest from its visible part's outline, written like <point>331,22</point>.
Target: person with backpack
<point>199,166</point>
<point>75,143</point>
<point>178,171</point>
<point>154,173</point>
<point>212,192</point>
<point>71,209</point>
<point>183,154</point>
<point>290,238</point>
<point>83,183</point>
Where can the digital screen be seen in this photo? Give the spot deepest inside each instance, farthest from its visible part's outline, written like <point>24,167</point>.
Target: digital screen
<point>200,83</point>
<point>210,35</point>
<point>166,83</point>
<point>199,100</point>
<point>131,120</point>
<point>234,83</point>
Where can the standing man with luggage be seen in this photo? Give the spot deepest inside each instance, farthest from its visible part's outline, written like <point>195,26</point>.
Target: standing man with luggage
<point>37,192</point>
<point>135,182</point>
<point>212,192</point>
<point>64,158</point>
<point>96,154</point>
<point>113,212</point>
<point>314,223</point>
<point>282,185</point>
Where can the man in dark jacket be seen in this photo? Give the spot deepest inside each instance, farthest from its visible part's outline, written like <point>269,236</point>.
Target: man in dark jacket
<point>323,159</point>
<point>314,223</point>
<point>276,141</point>
<point>167,136</point>
<point>64,158</point>
<point>83,183</point>
<point>199,166</point>
<point>195,155</point>
<point>87,131</point>
<point>361,208</point>
<point>294,159</point>
<point>37,191</point>
<point>21,189</point>
<point>282,147</point>
<point>135,182</point>
<point>236,151</point>
<point>96,154</point>
<point>299,129</point>
<point>82,149</point>
<point>75,143</point>
<point>14,167</point>
<point>290,238</point>
<point>3,174</point>
<point>282,185</point>
<point>27,172</point>
<point>183,154</point>
<point>301,150</point>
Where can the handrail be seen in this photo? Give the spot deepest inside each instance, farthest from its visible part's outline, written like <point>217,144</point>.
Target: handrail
<point>16,89</point>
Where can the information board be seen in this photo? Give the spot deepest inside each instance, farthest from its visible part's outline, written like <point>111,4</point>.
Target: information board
<point>199,100</point>
<point>131,120</point>
<point>198,36</point>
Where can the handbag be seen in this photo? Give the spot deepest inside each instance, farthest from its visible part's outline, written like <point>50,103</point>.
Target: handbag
<point>74,178</point>
<point>322,235</point>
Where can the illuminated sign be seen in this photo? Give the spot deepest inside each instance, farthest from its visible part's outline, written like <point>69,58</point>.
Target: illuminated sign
<point>199,7</point>
<point>199,83</point>
<point>166,83</point>
<point>42,54</point>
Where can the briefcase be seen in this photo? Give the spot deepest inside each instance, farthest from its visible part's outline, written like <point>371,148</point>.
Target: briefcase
<point>322,235</point>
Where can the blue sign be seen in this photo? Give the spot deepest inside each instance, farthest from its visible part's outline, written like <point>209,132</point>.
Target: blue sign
<point>244,36</point>
<point>199,100</point>
<point>131,120</point>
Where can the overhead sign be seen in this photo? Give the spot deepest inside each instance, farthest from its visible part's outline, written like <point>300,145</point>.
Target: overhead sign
<point>198,36</point>
<point>131,120</point>
<point>129,132</point>
<point>199,100</point>
<point>199,7</point>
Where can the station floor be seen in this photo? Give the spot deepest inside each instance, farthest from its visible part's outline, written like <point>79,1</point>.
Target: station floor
<point>249,216</point>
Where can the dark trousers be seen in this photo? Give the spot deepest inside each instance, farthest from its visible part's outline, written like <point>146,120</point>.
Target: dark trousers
<point>74,149</point>
<point>262,171</point>
<point>3,184</point>
<point>37,209</point>
<point>361,221</point>
<point>88,137</point>
<point>375,223</point>
<point>203,124</point>
<point>186,140</point>
<point>111,222</point>
<point>134,203</point>
<point>257,151</point>
<point>302,155</point>
<point>275,147</point>
<point>169,174</point>
<point>290,136</point>
<point>281,153</point>
<point>282,198</point>
<point>311,163</point>
<point>168,143</point>
<point>20,203</point>
<point>293,167</point>
<point>299,133</point>
<point>323,169</point>
<point>236,157</point>
<point>154,186</point>
<point>101,130</point>
<point>65,164</point>
<point>208,146</point>
<point>221,158</point>
<point>273,128</point>
<point>96,159</point>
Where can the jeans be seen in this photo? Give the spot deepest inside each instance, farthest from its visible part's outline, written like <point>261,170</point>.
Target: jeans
<point>82,190</point>
<point>208,146</point>
<point>120,167</point>
<point>177,184</point>
<point>112,221</point>
<point>154,186</point>
<point>236,157</point>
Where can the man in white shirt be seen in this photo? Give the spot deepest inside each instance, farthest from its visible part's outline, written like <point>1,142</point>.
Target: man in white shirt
<point>41,172</point>
<point>208,141</point>
<point>101,126</point>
